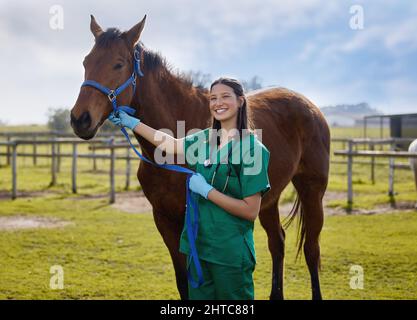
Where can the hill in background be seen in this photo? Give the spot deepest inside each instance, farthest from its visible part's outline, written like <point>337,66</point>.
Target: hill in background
<point>349,115</point>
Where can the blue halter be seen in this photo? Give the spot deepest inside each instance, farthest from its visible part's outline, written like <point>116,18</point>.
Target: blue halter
<point>192,226</point>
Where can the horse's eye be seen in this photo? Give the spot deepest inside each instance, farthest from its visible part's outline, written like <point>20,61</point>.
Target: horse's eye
<point>118,66</point>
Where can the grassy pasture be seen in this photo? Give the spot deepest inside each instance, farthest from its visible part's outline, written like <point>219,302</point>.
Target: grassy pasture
<point>110,254</point>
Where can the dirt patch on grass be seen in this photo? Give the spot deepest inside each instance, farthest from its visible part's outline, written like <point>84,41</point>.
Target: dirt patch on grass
<point>132,202</point>
<point>128,201</point>
<point>29,222</point>
<point>7,195</point>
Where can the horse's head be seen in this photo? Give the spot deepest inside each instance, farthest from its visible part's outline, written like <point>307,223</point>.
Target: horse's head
<point>109,63</point>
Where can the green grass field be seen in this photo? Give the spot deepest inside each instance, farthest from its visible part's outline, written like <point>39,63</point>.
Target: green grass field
<point>109,254</point>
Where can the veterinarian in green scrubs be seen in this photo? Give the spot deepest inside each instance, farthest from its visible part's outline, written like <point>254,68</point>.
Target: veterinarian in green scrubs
<point>225,242</point>
<point>231,177</point>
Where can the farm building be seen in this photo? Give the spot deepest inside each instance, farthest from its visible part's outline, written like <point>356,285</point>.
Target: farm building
<point>400,125</point>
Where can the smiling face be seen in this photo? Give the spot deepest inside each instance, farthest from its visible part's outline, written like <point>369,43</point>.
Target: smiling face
<point>224,103</point>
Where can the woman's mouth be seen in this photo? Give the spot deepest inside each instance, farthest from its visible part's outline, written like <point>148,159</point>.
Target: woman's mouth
<point>220,110</point>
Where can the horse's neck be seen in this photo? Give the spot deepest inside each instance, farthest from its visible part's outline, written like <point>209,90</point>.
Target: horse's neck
<point>162,102</point>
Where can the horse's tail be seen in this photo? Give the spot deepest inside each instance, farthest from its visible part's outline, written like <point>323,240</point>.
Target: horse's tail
<point>301,232</point>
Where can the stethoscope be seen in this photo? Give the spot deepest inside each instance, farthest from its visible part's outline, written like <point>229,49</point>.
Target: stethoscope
<point>208,164</point>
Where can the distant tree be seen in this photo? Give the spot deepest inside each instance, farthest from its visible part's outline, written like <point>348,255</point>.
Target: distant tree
<point>109,127</point>
<point>198,79</point>
<point>254,83</point>
<point>59,119</point>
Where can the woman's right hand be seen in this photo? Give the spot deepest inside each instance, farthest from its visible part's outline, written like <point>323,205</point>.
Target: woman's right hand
<point>122,119</point>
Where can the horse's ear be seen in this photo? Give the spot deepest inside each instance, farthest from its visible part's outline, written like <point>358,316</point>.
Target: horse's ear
<point>132,36</point>
<point>95,28</point>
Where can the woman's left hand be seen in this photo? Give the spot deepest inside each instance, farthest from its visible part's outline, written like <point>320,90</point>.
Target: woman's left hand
<point>122,119</point>
<point>198,184</point>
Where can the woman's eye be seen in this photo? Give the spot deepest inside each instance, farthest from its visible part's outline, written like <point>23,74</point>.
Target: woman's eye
<point>118,66</point>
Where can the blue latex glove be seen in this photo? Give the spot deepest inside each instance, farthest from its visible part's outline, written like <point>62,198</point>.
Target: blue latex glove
<point>122,119</point>
<point>198,184</point>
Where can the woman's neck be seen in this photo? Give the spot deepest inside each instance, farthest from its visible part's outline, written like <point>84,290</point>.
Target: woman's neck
<point>228,131</point>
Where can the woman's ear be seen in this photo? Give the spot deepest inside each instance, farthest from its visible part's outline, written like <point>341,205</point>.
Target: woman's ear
<point>242,101</point>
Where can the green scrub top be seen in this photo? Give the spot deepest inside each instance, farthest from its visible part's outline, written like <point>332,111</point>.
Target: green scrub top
<point>222,237</point>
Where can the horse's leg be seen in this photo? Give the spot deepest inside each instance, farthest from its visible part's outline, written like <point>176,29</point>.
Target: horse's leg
<point>269,219</point>
<point>170,231</point>
<point>311,190</point>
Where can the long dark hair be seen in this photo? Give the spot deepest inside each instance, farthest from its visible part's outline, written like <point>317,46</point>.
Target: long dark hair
<point>243,121</point>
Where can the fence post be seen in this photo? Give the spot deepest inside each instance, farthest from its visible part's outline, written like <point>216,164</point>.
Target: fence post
<point>58,159</point>
<point>127,169</point>
<point>94,158</point>
<point>112,164</point>
<point>53,163</point>
<point>372,147</point>
<point>14,172</point>
<point>8,150</point>
<point>391,172</point>
<point>35,149</point>
<point>74,168</point>
<point>349,174</point>
<point>24,151</point>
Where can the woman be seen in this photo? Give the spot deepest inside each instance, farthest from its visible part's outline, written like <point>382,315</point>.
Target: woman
<point>231,179</point>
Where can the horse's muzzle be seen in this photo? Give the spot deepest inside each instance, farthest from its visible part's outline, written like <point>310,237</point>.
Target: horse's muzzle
<point>82,126</point>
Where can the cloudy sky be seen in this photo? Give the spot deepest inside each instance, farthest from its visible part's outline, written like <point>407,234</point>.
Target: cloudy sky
<point>321,49</point>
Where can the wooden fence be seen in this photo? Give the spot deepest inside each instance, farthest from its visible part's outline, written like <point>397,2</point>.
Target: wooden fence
<point>111,144</point>
<point>350,153</point>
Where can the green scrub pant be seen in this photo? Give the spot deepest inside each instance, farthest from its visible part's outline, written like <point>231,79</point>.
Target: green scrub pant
<point>223,282</point>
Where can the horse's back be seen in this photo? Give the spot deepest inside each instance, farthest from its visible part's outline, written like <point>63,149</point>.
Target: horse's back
<point>283,101</point>
<point>289,113</point>
<point>294,130</point>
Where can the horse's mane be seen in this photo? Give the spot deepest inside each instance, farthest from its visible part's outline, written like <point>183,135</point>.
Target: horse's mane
<point>153,61</point>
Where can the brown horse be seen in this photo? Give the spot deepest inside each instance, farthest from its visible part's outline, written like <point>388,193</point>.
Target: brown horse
<point>294,130</point>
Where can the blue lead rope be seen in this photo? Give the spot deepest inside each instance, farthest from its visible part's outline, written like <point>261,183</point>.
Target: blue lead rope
<point>192,204</point>
<point>192,228</point>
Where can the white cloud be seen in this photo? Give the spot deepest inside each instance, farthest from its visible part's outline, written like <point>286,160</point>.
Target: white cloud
<point>43,66</point>
<point>396,38</point>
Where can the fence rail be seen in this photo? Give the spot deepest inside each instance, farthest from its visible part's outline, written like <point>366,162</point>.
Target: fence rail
<point>379,154</point>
